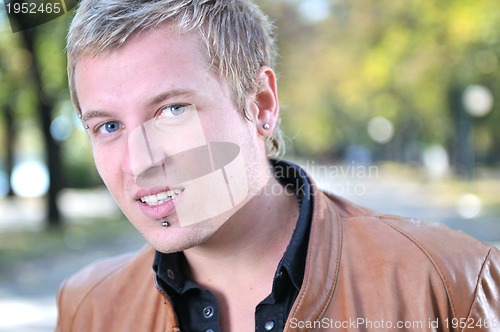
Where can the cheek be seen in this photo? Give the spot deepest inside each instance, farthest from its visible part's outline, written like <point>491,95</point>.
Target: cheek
<point>107,165</point>
<point>226,125</point>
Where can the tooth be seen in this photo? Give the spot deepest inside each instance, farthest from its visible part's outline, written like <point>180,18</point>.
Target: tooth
<point>162,196</point>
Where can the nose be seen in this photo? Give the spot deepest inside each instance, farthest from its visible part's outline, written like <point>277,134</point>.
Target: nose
<point>144,150</point>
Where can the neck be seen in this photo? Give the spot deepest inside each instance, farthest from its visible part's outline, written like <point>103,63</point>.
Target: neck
<point>250,244</point>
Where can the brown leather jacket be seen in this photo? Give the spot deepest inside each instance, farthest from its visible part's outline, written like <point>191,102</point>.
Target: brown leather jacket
<point>364,272</point>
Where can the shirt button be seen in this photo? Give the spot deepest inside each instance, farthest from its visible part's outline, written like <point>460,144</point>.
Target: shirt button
<point>269,325</point>
<point>208,312</point>
<point>209,330</point>
<point>171,274</point>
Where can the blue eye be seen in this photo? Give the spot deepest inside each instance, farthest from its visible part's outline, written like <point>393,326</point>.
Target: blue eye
<point>110,127</point>
<point>174,110</point>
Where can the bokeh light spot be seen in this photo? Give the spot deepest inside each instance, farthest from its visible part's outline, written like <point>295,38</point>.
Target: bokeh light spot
<point>436,161</point>
<point>477,100</point>
<point>61,128</point>
<point>30,179</point>
<point>380,129</point>
<point>469,206</point>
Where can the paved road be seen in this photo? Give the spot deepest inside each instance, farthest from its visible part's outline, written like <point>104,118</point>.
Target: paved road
<point>27,295</point>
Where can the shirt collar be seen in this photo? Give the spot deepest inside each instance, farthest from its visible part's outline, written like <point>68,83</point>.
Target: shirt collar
<point>168,270</point>
<point>294,258</point>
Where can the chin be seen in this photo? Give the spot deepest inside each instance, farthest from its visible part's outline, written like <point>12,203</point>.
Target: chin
<point>175,238</point>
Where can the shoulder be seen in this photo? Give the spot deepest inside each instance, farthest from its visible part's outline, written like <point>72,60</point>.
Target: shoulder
<point>464,265</point>
<point>435,240</point>
<point>469,269</point>
<point>114,268</point>
<point>95,286</point>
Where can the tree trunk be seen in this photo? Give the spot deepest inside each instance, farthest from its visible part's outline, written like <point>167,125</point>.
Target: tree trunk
<point>462,150</point>
<point>9,133</point>
<point>54,164</point>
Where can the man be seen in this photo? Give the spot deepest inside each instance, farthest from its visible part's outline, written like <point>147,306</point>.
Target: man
<point>180,102</point>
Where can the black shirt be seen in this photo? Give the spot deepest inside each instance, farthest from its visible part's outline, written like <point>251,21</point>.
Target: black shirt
<point>197,308</point>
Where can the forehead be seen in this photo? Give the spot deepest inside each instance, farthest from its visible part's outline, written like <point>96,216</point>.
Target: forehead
<point>145,46</point>
<point>145,61</point>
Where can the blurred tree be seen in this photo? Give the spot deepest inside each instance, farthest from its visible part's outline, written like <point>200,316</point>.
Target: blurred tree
<point>6,88</point>
<point>46,105</point>
<point>45,65</point>
<point>11,75</point>
<point>9,143</point>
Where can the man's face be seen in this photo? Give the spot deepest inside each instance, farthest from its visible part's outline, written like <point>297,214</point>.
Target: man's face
<point>166,137</point>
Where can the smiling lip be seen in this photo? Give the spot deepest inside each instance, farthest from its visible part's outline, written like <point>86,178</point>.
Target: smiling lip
<point>158,204</point>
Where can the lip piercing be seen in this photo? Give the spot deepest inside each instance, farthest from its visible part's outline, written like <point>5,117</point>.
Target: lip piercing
<point>165,224</point>
<point>267,126</point>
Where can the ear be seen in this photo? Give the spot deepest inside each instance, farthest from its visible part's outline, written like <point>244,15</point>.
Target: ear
<point>266,101</point>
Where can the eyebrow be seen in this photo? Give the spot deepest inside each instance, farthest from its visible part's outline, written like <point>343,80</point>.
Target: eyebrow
<point>94,114</point>
<point>170,94</point>
<point>152,102</point>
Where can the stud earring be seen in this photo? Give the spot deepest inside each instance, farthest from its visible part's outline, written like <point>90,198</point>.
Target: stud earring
<point>267,126</point>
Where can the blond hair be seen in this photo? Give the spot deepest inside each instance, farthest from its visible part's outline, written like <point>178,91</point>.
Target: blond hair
<point>236,34</point>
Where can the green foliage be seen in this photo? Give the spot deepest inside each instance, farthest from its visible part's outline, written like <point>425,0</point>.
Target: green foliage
<point>397,59</point>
